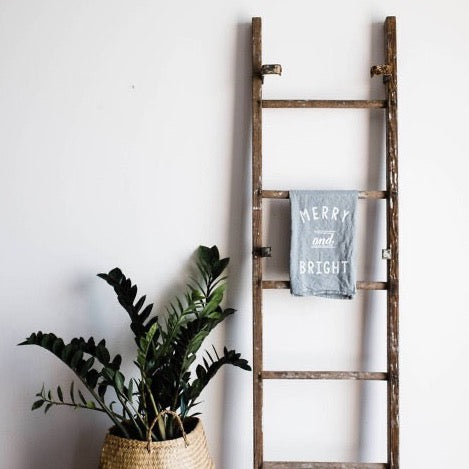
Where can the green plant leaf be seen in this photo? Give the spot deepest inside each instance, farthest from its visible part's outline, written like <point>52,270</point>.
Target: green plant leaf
<point>116,363</point>
<point>207,372</point>
<point>205,255</point>
<point>57,347</point>
<point>144,345</point>
<point>72,392</point>
<point>102,388</point>
<point>102,353</point>
<point>215,299</point>
<point>130,390</point>
<point>220,266</point>
<point>126,294</point>
<point>119,381</point>
<point>140,303</point>
<point>38,404</point>
<point>108,374</point>
<point>91,378</point>
<point>82,397</point>
<point>167,350</point>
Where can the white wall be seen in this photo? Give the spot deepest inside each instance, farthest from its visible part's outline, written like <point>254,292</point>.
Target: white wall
<point>125,140</point>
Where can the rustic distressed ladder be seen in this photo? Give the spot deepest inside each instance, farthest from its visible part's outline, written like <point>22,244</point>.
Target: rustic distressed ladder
<point>391,253</point>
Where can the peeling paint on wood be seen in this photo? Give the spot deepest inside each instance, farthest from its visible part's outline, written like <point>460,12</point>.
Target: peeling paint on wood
<point>361,194</point>
<point>284,284</point>
<point>325,103</point>
<point>271,69</point>
<point>334,375</point>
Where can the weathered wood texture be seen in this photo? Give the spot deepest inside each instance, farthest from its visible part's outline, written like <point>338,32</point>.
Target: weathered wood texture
<point>272,69</point>
<point>389,73</point>
<point>352,375</point>
<point>325,103</point>
<point>393,245</point>
<point>384,69</point>
<point>257,238</point>
<point>322,465</point>
<point>361,195</point>
<point>282,284</point>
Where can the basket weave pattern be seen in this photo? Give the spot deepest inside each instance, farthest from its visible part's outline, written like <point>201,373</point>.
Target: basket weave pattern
<point>122,453</point>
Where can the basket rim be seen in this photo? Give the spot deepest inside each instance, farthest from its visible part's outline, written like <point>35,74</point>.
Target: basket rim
<point>198,428</point>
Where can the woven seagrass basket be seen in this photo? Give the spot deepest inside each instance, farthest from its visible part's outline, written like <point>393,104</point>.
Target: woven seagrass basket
<point>122,453</point>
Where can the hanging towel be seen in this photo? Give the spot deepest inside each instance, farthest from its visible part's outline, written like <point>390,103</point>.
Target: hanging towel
<point>322,243</point>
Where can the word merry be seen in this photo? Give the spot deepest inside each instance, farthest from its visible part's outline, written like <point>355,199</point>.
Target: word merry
<point>323,267</point>
<point>324,213</point>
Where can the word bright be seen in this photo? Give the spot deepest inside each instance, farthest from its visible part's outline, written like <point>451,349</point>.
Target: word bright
<point>323,267</point>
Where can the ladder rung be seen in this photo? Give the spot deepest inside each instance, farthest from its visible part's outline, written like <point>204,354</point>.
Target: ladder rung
<point>279,284</point>
<point>354,375</point>
<point>322,465</point>
<point>325,103</point>
<point>361,194</point>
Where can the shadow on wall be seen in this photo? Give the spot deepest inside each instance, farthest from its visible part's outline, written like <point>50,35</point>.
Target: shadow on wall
<point>65,437</point>
<point>239,247</point>
<point>88,443</point>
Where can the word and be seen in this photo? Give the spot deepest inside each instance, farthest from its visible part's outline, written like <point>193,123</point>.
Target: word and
<point>325,239</point>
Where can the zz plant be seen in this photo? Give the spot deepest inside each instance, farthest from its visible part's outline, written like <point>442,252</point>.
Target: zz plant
<point>166,390</point>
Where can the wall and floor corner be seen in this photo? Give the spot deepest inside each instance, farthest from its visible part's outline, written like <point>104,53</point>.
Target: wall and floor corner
<point>125,137</point>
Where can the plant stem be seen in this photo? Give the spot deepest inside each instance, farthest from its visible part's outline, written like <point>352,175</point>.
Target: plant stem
<point>144,384</point>
<point>122,401</point>
<point>114,417</point>
<point>138,415</point>
<point>161,426</point>
<point>70,404</point>
<point>144,400</point>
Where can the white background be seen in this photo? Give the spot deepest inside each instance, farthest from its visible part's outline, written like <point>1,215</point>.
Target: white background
<point>125,141</point>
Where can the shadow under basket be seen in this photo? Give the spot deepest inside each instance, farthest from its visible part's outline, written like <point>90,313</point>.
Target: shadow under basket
<point>122,453</point>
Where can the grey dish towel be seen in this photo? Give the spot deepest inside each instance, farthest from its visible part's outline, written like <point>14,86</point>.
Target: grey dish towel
<point>322,243</point>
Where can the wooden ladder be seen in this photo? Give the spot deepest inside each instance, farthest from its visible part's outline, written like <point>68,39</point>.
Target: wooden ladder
<point>391,253</point>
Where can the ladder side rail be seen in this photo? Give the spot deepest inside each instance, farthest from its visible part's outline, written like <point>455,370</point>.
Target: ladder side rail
<point>257,239</point>
<point>392,243</point>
